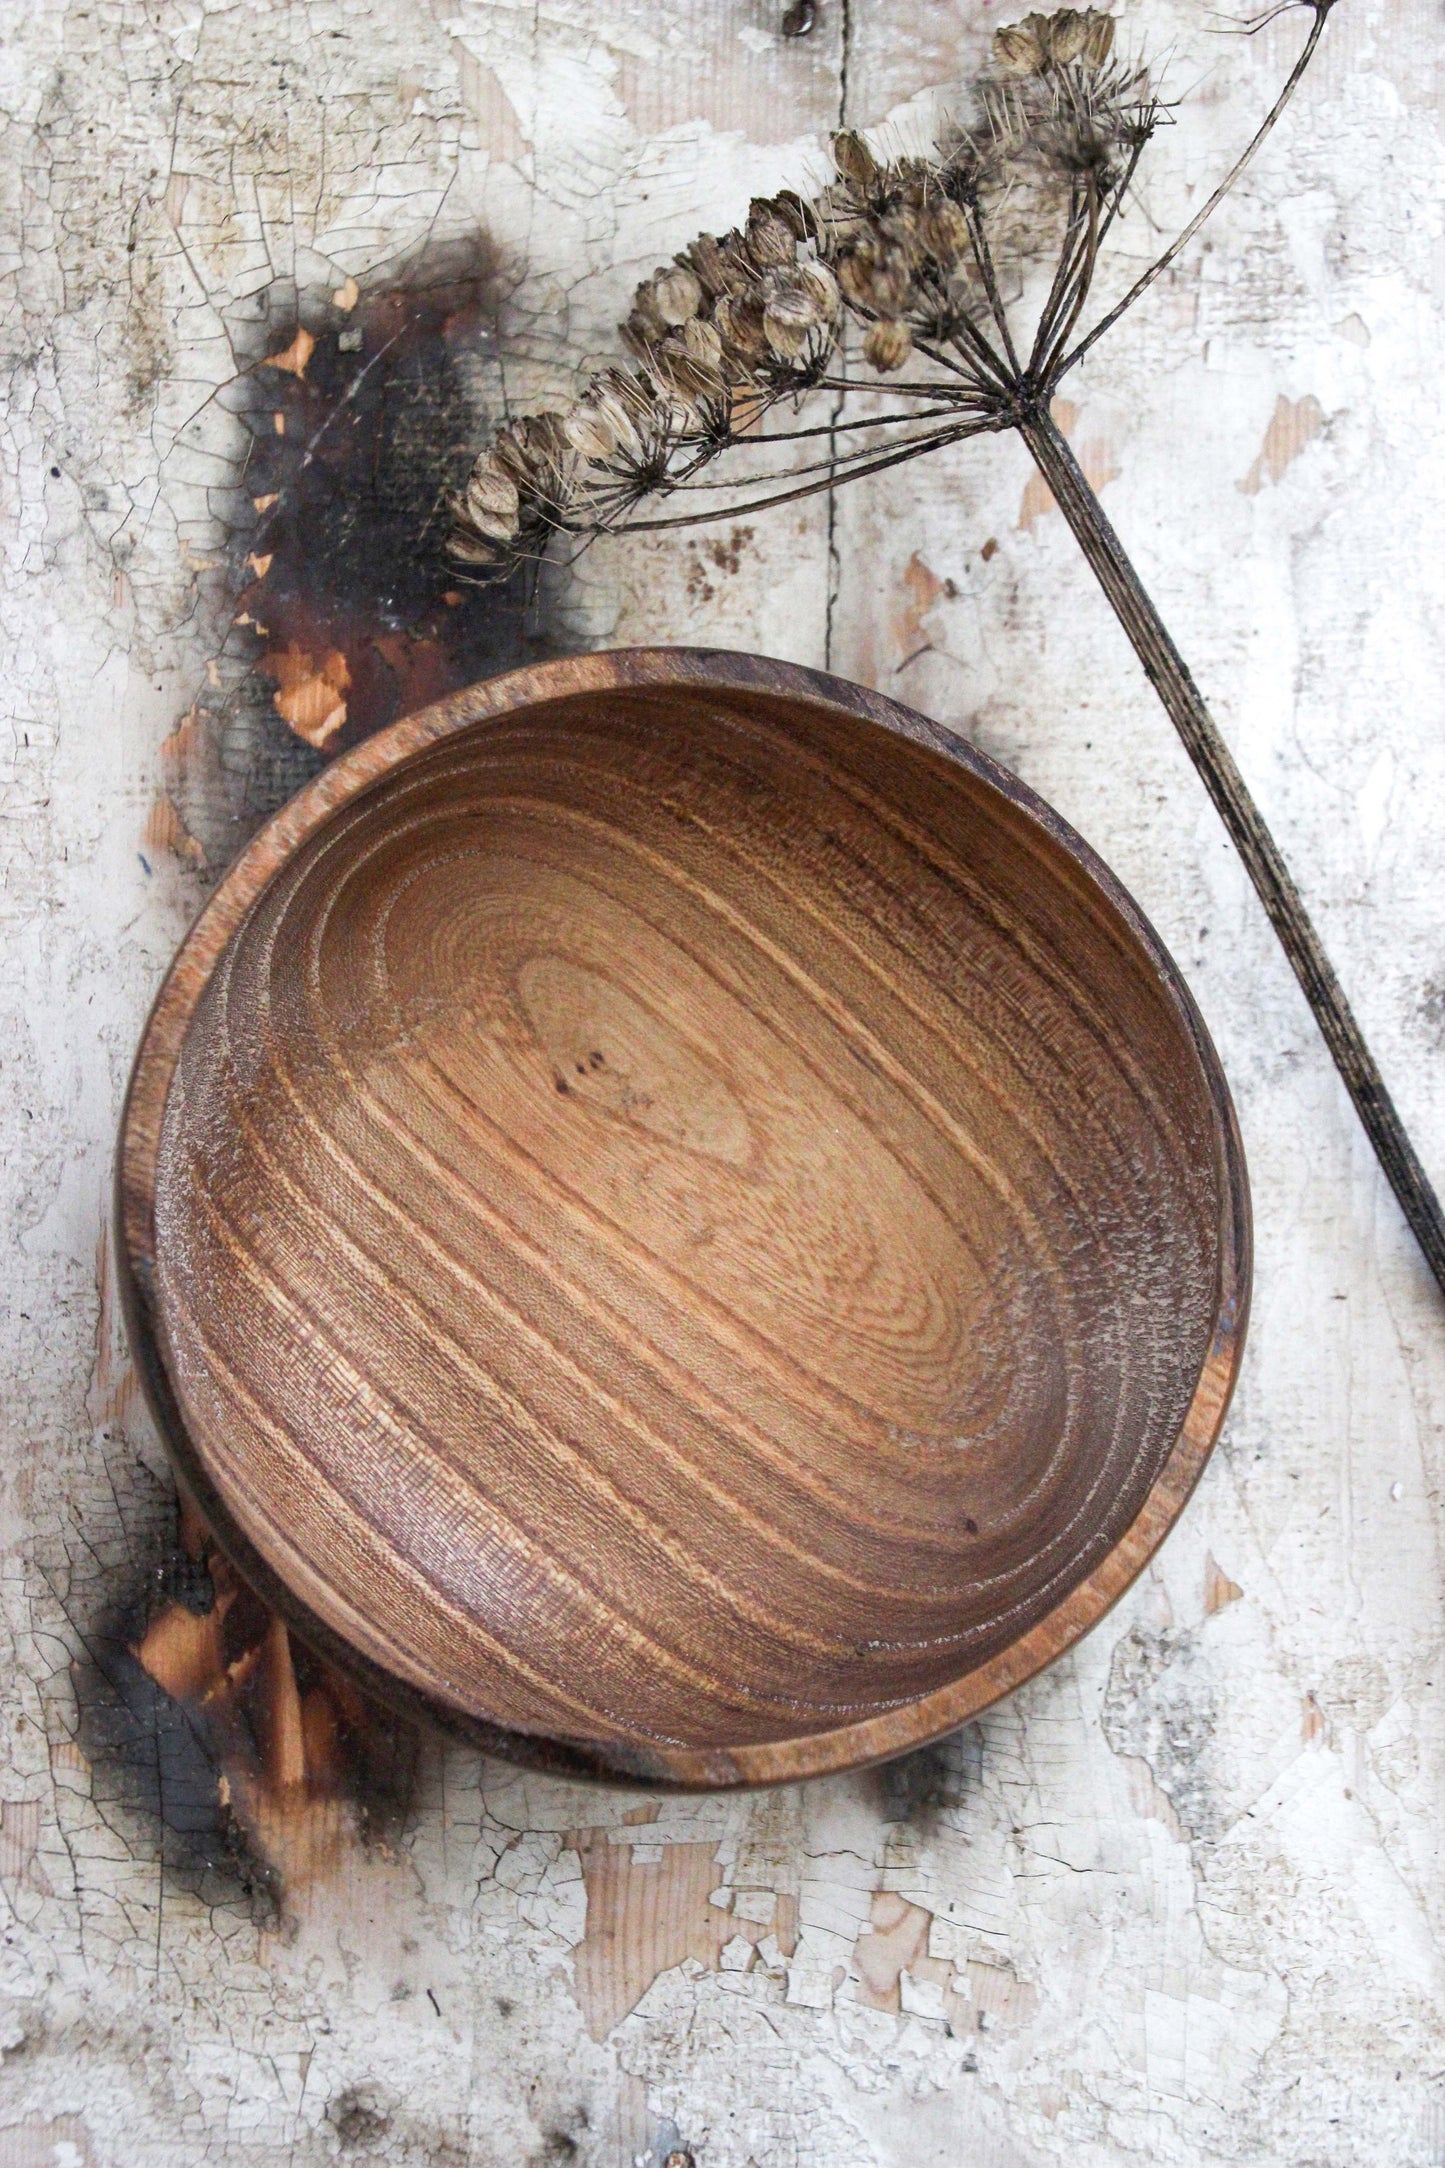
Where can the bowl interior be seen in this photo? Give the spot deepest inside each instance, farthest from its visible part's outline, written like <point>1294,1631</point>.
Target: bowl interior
<point>685,1220</point>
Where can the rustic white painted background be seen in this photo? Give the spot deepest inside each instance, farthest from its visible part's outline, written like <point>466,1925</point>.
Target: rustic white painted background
<point>1190,1882</point>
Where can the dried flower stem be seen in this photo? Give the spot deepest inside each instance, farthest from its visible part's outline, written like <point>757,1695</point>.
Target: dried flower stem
<point>1170,677</point>
<point>913,250</point>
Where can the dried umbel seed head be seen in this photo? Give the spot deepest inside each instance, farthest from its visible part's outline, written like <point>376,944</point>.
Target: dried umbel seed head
<point>909,245</point>
<point>887,345</point>
<point>1071,36</point>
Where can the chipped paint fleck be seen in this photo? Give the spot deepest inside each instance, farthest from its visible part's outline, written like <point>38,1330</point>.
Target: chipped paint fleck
<point>1219,1590</point>
<point>1294,424</point>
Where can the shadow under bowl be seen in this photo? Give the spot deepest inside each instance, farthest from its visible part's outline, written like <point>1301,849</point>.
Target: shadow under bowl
<point>678,1218</point>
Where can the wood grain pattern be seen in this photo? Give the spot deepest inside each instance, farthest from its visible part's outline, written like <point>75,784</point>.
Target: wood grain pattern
<point>690,1230</point>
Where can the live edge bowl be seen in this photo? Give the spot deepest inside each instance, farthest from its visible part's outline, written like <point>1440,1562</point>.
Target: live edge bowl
<point>677,1218</point>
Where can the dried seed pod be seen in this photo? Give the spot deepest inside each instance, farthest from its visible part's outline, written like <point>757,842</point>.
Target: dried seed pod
<point>1085,36</point>
<point>676,293</point>
<point>492,502</point>
<point>791,320</point>
<point>854,160</point>
<point>490,488</point>
<point>645,322</point>
<point>705,259</point>
<point>621,411</point>
<point>544,437</point>
<point>589,435</point>
<point>900,238</point>
<point>887,344</point>
<point>943,230</point>
<point>696,383</point>
<point>785,334</point>
<point>1022,48</point>
<point>736,267</point>
<point>1068,33</point>
<point>466,548</point>
<point>874,279</point>
<point>770,241</point>
<point>1040,42</point>
<point>796,214</point>
<point>1098,39</point>
<point>630,392</point>
<point>739,321</point>
<point>820,281</point>
<point>702,342</point>
<point>840,218</point>
<point>510,455</point>
<point>599,426</point>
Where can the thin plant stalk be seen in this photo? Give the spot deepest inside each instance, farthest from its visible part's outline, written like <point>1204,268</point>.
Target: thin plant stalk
<point>1169,675</point>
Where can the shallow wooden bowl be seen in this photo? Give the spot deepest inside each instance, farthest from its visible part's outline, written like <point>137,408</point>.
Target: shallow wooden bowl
<point>683,1219</point>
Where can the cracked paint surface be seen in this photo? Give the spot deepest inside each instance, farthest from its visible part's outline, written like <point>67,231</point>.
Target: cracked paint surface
<point>1181,1900</point>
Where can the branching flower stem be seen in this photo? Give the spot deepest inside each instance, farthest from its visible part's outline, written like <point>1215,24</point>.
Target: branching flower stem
<point>913,251</point>
<point>827,480</point>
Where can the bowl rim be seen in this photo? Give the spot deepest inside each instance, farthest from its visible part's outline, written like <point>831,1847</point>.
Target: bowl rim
<point>854,1745</point>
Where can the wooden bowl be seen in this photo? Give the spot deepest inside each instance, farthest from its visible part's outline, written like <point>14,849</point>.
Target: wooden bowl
<point>681,1218</point>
